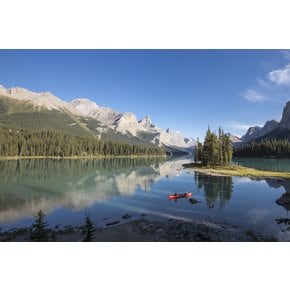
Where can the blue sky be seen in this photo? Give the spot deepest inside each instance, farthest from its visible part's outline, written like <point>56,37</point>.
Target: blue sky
<point>186,90</point>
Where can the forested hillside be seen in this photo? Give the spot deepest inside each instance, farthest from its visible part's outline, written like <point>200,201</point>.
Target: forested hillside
<point>26,130</point>
<point>264,148</point>
<point>54,143</point>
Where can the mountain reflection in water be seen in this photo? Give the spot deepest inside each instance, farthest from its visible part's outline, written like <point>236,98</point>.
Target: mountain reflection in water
<point>66,190</point>
<point>32,184</point>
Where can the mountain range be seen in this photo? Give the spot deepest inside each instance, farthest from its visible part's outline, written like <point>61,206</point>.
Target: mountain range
<point>271,129</point>
<point>21,107</point>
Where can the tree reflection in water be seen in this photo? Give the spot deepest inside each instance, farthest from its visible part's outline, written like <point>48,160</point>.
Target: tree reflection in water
<point>217,189</point>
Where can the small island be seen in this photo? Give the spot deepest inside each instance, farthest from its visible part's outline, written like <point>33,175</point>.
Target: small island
<point>236,170</point>
<point>214,157</point>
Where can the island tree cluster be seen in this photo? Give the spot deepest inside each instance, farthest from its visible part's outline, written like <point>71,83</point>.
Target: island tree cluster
<point>264,148</point>
<point>216,149</point>
<point>53,143</point>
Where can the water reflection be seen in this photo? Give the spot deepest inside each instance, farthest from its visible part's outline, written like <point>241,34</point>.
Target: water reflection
<point>284,199</point>
<point>285,222</point>
<point>110,188</point>
<point>217,189</point>
<point>26,186</point>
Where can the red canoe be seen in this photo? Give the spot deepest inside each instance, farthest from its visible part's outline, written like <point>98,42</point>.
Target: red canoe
<point>180,195</point>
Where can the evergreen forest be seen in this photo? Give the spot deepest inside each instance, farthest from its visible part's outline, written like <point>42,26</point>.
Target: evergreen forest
<point>54,143</point>
<point>265,148</point>
<point>216,149</point>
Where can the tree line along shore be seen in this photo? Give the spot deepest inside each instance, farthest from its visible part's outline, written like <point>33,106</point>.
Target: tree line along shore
<point>50,143</point>
<point>269,148</point>
<point>214,156</point>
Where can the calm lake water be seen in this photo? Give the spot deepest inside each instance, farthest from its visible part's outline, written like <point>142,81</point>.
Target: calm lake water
<point>265,163</point>
<point>66,190</point>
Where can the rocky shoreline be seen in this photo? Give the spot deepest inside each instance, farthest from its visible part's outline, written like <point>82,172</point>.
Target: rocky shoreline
<point>148,231</point>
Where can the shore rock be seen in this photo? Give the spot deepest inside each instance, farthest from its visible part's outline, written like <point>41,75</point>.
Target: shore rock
<point>284,201</point>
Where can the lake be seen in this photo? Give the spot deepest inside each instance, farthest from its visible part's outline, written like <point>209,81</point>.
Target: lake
<point>282,165</point>
<point>66,190</point>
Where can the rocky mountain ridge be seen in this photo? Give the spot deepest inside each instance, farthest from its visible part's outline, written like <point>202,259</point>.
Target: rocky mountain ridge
<point>234,139</point>
<point>285,121</point>
<point>272,129</point>
<point>124,123</point>
<point>257,131</point>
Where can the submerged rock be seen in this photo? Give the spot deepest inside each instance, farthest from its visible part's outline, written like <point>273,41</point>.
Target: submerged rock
<point>126,216</point>
<point>285,221</point>
<point>194,201</point>
<point>112,223</point>
<point>284,201</point>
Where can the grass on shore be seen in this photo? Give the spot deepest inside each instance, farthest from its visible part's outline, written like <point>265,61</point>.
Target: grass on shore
<point>236,170</point>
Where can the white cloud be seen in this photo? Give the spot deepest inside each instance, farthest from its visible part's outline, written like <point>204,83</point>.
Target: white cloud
<point>239,129</point>
<point>253,96</point>
<point>280,76</point>
<point>264,84</point>
<point>238,126</point>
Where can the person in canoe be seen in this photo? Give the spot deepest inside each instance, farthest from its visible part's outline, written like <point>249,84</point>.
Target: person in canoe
<point>175,194</point>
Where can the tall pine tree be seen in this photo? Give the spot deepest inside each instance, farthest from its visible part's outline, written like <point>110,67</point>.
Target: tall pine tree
<point>216,150</point>
<point>39,231</point>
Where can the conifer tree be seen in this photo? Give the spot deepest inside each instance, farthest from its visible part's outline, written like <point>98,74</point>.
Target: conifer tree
<point>88,229</point>
<point>200,151</point>
<point>220,139</point>
<point>196,154</point>
<point>216,149</point>
<point>264,148</point>
<point>39,231</point>
<point>206,156</point>
<point>14,142</point>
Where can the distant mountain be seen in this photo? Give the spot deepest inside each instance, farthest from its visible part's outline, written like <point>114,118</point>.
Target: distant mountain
<point>21,107</point>
<point>127,124</point>
<point>272,129</point>
<point>234,139</point>
<point>282,131</point>
<point>285,122</point>
<point>255,132</point>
